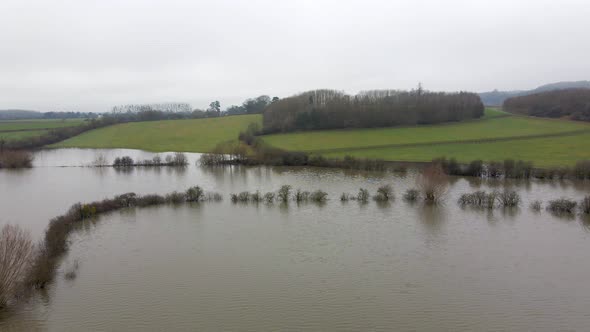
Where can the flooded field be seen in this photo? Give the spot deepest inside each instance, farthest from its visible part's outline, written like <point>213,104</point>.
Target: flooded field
<point>331,266</point>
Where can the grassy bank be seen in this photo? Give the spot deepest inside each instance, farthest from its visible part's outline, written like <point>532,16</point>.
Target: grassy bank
<point>197,135</point>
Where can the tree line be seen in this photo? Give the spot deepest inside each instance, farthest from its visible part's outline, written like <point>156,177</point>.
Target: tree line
<point>571,103</point>
<point>331,109</point>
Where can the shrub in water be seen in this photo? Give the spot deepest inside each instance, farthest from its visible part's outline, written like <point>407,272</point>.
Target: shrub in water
<point>284,193</point>
<point>384,193</point>
<point>363,195</point>
<point>301,196</point>
<point>195,194</point>
<point>269,197</point>
<point>176,197</point>
<point>536,205</point>
<point>509,198</point>
<point>319,196</point>
<point>345,197</point>
<point>256,197</point>
<point>244,197</point>
<point>562,205</point>
<point>411,195</point>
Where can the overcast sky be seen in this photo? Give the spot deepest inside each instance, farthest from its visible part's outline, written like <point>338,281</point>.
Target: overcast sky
<point>91,55</point>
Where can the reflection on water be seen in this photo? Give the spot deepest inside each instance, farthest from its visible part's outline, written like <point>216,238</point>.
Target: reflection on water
<point>334,266</point>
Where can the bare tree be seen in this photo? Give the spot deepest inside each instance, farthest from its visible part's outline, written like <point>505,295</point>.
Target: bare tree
<point>433,183</point>
<point>16,253</point>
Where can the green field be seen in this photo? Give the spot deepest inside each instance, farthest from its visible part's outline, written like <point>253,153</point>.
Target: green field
<point>19,129</point>
<point>491,128</point>
<point>195,135</point>
<point>38,124</point>
<point>497,136</point>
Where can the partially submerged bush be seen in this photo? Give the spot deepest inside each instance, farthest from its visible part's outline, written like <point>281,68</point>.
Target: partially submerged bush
<point>562,205</point>
<point>301,196</point>
<point>176,197</point>
<point>125,161</point>
<point>269,197</point>
<point>195,194</point>
<point>16,253</point>
<point>363,195</point>
<point>384,193</point>
<point>345,197</point>
<point>509,198</point>
<point>536,206</point>
<point>411,195</point>
<point>433,183</point>
<point>318,196</point>
<point>16,159</point>
<point>244,197</point>
<point>284,193</point>
<point>256,197</point>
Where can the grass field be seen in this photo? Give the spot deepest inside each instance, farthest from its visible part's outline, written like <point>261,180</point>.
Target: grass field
<point>198,135</point>
<point>490,128</point>
<point>497,136</point>
<point>19,129</point>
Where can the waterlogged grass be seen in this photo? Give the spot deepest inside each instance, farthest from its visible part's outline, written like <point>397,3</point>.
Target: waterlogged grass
<point>543,152</point>
<point>195,135</point>
<point>496,125</point>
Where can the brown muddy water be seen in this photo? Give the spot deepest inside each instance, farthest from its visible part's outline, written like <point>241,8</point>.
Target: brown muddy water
<point>335,266</point>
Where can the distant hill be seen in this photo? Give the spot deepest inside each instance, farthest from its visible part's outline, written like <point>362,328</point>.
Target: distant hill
<point>496,98</point>
<point>19,114</point>
<point>572,103</point>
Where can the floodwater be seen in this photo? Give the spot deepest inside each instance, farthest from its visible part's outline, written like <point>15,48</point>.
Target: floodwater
<point>334,266</point>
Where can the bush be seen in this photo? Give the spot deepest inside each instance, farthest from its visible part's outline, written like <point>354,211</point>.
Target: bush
<point>179,159</point>
<point>16,159</point>
<point>176,197</point>
<point>536,206</point>
<point>345,197</point>
<point>16,254</point>
<point>319,196</point>
<point>244,197</point>
<point>433,183</point>
<point>363,195</point>
<point>284,193</point>
<point>269,197</point>
<point>256,197</point>
<point>509,198</point>
<point>384,193</point>
<point>125,161</point>
<point>301,196</point>
<point>195,194</point>
<point>411,195</point>
<point>562,205</point>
